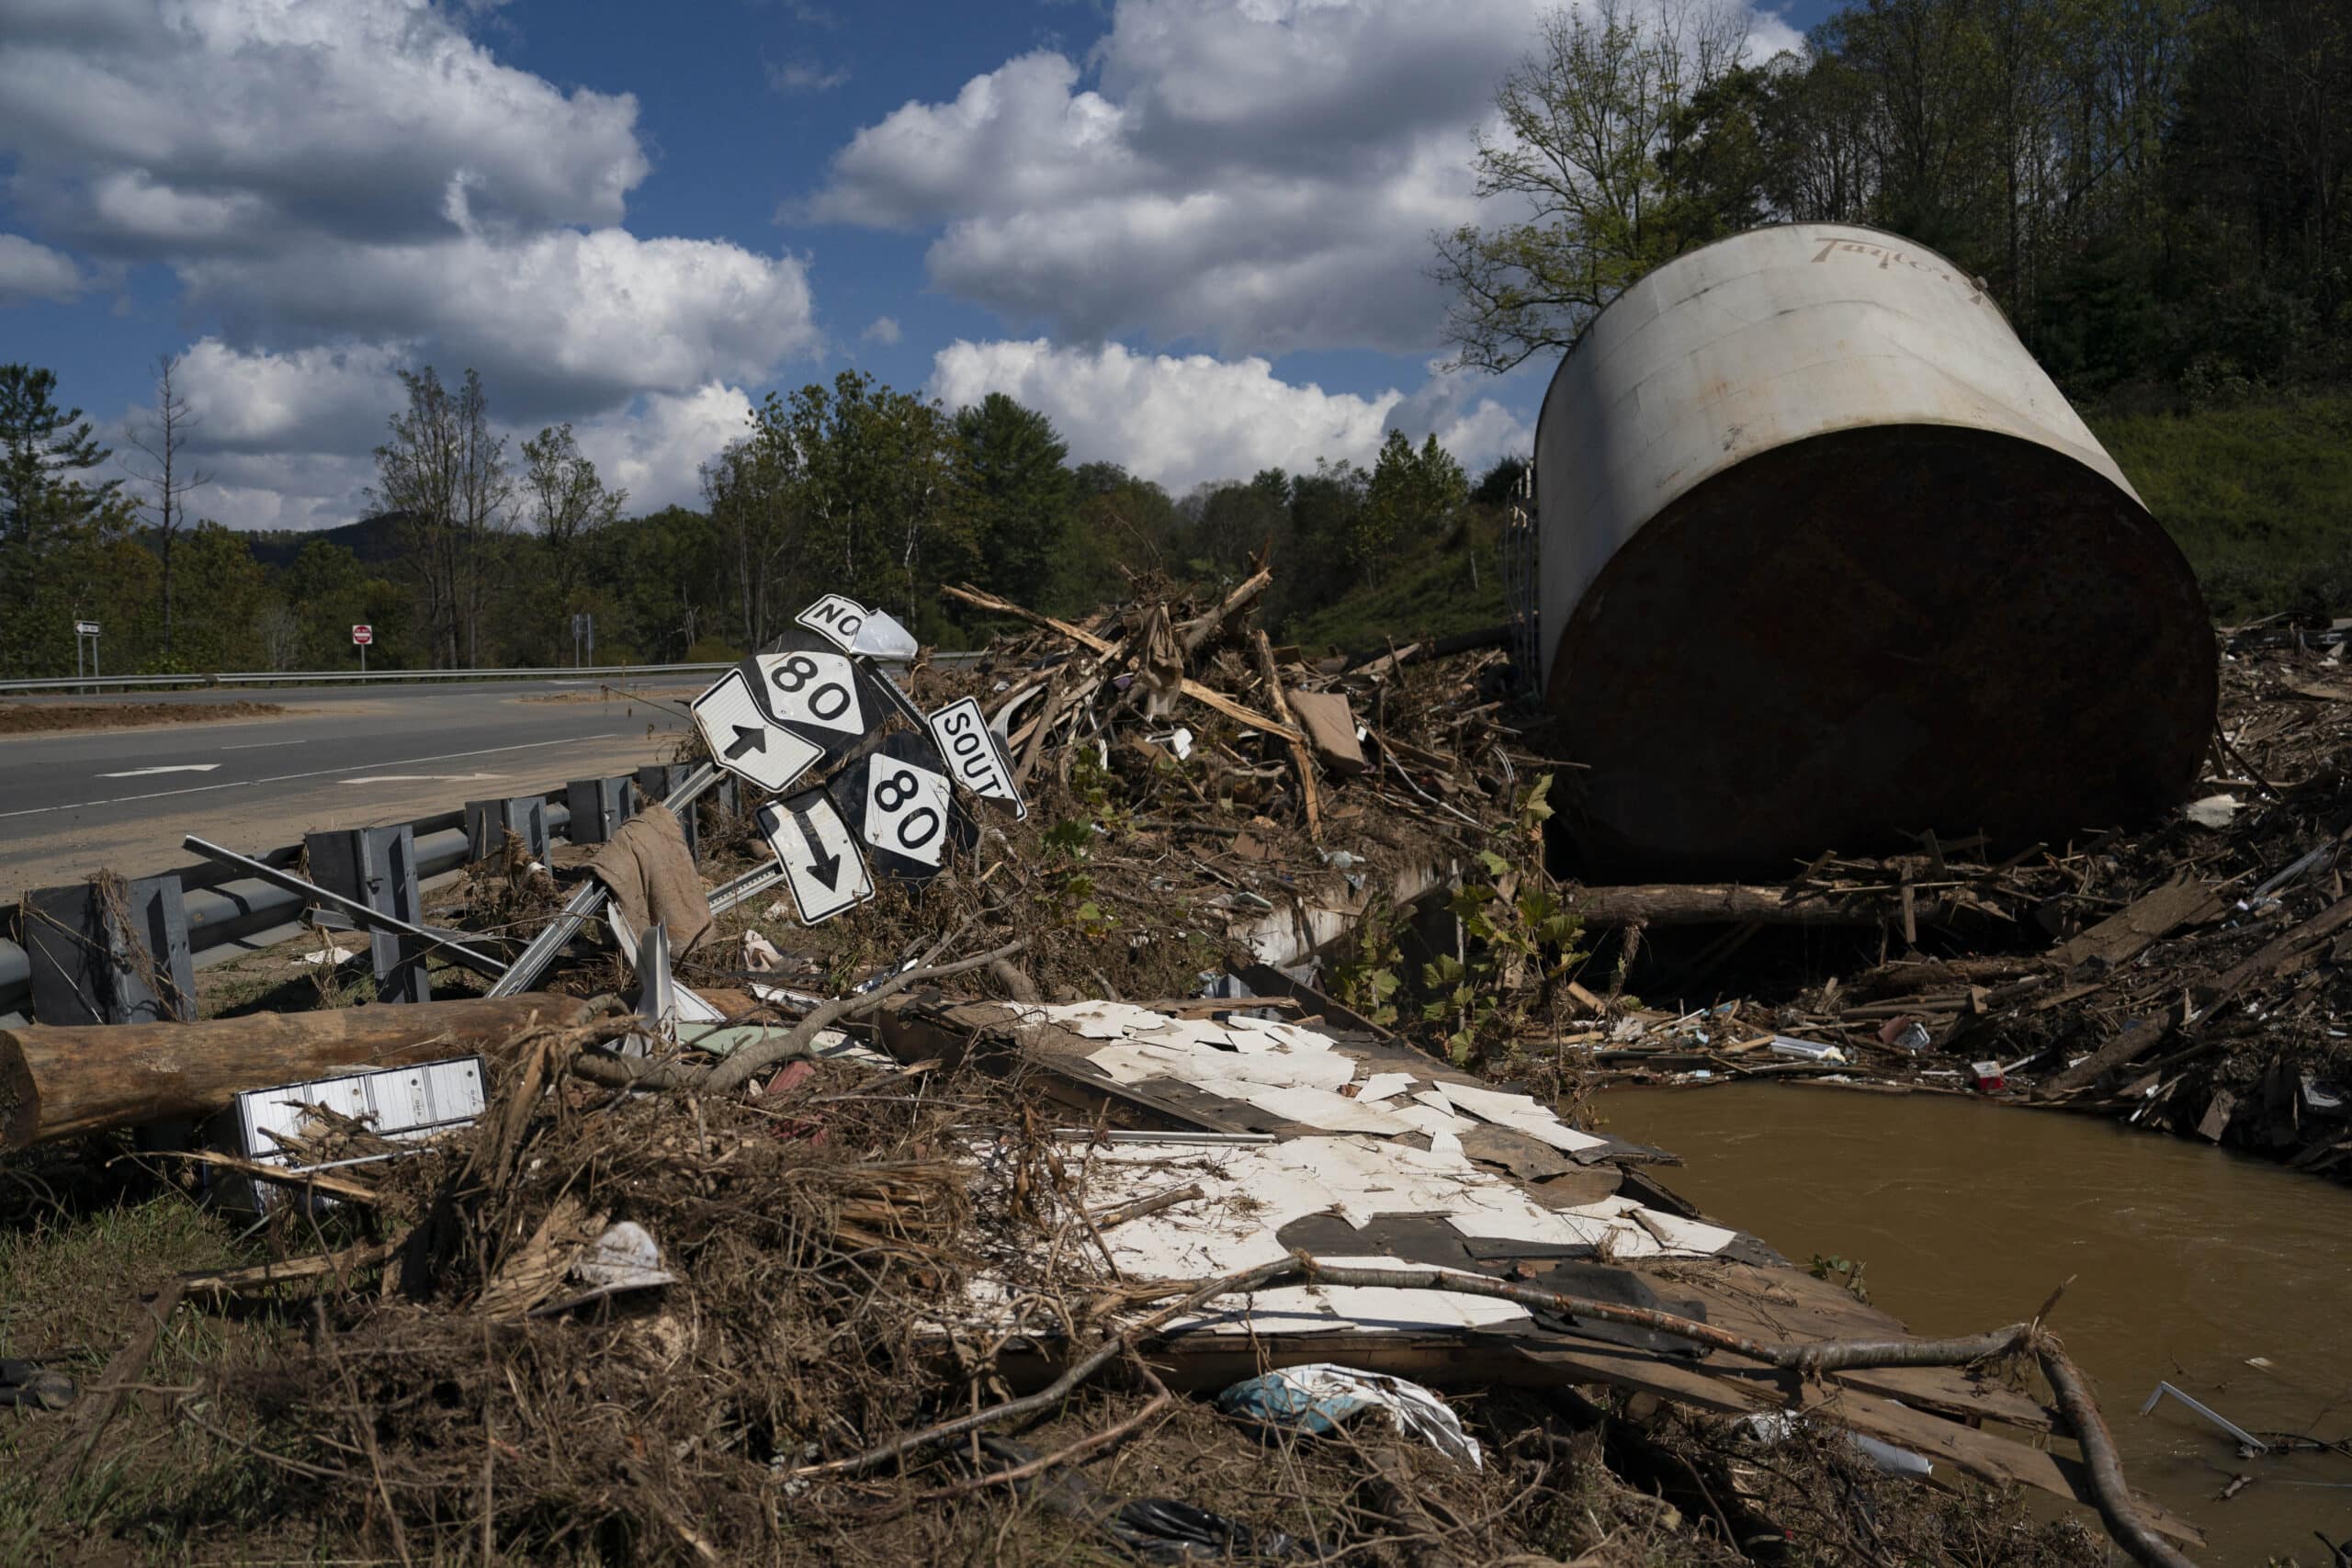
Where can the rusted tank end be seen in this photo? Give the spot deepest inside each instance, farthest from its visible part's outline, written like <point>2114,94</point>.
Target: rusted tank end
<point>1859,636</point>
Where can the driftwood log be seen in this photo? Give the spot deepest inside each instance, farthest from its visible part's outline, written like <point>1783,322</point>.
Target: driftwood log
<point>58,1080</point>
<point>1698,904</point>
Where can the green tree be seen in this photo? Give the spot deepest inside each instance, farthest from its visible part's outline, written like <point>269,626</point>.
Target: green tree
<point>59,533</point>
<point>1414,500</point>
<point>1590,123</point>
<point>1016,491</point>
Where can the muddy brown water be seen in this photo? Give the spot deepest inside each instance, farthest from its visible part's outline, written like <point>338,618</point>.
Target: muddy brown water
<point>2189,1265</point>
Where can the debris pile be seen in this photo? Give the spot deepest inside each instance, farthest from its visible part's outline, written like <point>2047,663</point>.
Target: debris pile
<point>1121,1093</point>
<point>2193,976</point>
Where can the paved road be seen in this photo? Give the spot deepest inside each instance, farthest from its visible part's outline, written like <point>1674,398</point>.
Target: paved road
<point>339,757</point>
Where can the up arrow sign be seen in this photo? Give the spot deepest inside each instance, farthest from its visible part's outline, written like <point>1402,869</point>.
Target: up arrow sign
<point>743,740</point>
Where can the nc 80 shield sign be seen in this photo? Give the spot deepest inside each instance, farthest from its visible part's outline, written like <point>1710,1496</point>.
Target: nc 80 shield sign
<point>899,805</point>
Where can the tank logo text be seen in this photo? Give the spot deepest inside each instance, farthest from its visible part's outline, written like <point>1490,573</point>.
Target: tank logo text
<point>1888,259</point>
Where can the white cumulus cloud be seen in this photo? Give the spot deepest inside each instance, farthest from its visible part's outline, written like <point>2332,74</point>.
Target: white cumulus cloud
<point>150,123</point>
<point>30,272</point>
<point>348,188</point>
<point>1192,419</point>
<point>655,449</point>
<point>1179,420</point>
<point>1259,174</point>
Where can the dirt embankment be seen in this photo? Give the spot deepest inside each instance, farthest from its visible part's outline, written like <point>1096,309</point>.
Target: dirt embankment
<point>33,718</point>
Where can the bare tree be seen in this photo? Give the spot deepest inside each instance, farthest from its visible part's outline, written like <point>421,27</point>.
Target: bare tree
<point>162,440</point>
<point>567,499</point>
<point>281,633</point>
<point>444,475</point>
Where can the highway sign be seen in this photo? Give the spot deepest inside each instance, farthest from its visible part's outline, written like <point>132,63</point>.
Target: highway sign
<point>835,619</point>
<point>974,754</point>
<point>744,740</point>
<point>818,689</point>
<point>898,804</point>
<point>363,635</point>
<point>823,869</point>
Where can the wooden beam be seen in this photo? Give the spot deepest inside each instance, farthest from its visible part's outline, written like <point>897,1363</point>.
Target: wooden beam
<point>58,1080</point>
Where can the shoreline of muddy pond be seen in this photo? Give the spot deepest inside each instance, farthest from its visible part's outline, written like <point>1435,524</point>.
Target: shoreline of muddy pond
<point>2220,1274</point>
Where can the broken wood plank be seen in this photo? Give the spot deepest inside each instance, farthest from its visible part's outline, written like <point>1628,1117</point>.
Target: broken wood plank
<point>1300,757</point>
<point>2142,923</point>
<point>1204,696</point>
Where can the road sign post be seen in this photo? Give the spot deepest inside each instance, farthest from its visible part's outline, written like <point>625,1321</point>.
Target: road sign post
<point>362,636</point>
<point>89,630</point>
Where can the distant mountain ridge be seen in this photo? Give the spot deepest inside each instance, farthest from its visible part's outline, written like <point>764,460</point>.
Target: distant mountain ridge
<point>374,540</point>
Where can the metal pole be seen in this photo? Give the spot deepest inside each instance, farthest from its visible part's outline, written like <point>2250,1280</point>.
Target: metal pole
<point>585,900</point>
<point>361,915</point>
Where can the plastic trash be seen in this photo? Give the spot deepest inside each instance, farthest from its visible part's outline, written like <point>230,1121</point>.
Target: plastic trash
<point>1808,1050</point>
<point>1321,1398</point>
<point>879,636</point>
<point>2214,811</point>
<point>29,1386</point>
<point>1769,1426</point>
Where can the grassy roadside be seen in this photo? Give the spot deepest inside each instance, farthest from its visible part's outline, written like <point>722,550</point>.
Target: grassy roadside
<point>33,718</point>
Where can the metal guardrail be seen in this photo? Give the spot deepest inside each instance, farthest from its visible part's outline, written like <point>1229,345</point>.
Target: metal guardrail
<point>338,677</point>
<point>224,910</point>
<point>623,672</point>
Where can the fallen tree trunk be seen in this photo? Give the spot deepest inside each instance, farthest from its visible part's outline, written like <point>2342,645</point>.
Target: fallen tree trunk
<point>58,1080</point>
<point>1701,903</point>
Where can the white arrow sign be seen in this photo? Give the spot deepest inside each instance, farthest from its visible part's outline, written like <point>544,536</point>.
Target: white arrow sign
<point>742,741</point>
<point>821,867</point>
<point>835,619</point>
<point>906,809</point>
<point>812,688</point>
<point>975,754</point>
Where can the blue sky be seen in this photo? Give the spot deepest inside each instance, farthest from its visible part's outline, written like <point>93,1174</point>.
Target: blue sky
<point>1195,232</point>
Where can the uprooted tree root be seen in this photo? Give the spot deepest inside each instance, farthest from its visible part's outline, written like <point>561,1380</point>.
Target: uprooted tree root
<point>444,1396</point>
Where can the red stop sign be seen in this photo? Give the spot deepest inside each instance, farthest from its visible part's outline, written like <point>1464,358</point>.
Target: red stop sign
<point>363,635</point>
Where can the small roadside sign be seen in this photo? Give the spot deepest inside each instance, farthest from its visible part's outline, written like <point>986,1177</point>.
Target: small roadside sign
<point>823,869</point>
<point>818,689</point>
<point>363,635</point>
<point>85,628</point>
<point>974,754</point>
<point>744,740</point>
<point>899,805</point>
<point>835,619</point>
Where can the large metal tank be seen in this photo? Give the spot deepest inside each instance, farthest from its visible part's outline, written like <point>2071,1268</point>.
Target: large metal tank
<point>1827,560</point>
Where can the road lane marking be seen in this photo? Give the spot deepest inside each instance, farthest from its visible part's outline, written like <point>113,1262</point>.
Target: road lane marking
<point>420,778</point>
<point>313,774</point>
<point>260,745</point>
<point>172,767</point>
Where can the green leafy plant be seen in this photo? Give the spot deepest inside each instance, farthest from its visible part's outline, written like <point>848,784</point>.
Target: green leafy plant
<point>1518,942</point>
<point>1367,980</point>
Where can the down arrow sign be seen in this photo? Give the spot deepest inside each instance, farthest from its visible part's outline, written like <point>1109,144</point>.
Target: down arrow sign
<point>827,871</point>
